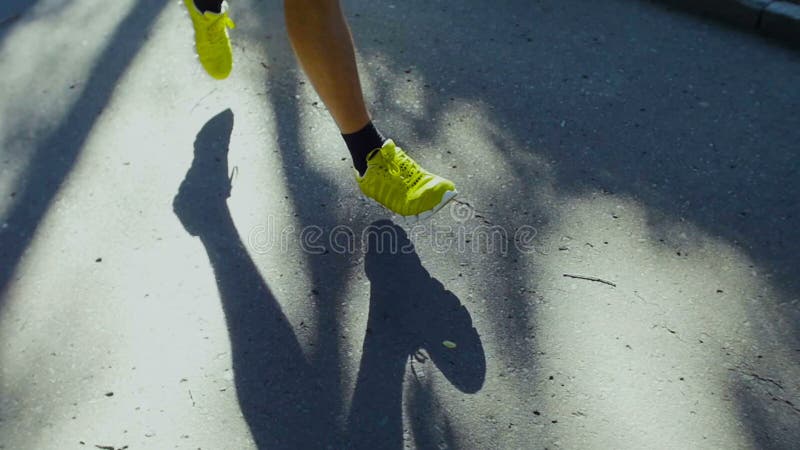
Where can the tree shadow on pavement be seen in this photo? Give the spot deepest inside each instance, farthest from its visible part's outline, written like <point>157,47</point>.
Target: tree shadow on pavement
<point>312,196</point>
<point>282,396</point>
<point>10,12</point>
<point>57,153</point>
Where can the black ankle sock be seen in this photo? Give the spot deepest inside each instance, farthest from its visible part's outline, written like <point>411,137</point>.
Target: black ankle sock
<point>209,5</point>
<point>361,143</point>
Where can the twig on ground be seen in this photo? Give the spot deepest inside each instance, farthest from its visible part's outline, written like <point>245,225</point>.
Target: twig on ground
<point>476,214</point>
<point>201,100</point>
<point>758,377</point>
<point>597,280</point>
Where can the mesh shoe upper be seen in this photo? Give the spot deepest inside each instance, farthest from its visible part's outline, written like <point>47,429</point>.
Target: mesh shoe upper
<point>211,40</point>
<point>397,182</point>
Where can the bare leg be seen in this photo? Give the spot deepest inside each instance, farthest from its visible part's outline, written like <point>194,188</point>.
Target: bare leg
<point>322,42</point>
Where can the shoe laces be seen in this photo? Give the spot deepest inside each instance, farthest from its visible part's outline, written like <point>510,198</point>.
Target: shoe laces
<point>400,165</point>
<point>217,28</point>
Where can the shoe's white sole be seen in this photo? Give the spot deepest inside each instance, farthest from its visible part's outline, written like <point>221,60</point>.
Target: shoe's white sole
<point>415,219</point>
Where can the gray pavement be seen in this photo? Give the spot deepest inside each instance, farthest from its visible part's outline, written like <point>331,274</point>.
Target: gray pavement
<point>175,259</point>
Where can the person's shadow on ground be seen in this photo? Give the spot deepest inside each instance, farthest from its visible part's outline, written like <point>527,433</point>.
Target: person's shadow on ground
<point>274,382</point>
<point>278,390</point>
<point>408,310</point>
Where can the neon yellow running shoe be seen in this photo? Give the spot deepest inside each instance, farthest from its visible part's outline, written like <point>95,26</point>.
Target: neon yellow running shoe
<point>211,39</point>
<point>398,183</point>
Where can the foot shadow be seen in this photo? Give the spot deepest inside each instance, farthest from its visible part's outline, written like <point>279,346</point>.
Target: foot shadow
<point>281,402</point>
<point>280,395</point>
<point>408,310</point>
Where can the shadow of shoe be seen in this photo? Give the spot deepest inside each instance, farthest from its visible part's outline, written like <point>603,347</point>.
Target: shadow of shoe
<point>423,308</point>
<point>408,310</point>
<point>203,192</point>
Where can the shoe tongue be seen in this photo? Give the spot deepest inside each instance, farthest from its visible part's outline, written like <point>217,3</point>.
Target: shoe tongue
<point>372,154</point>
<point>388,150</point>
